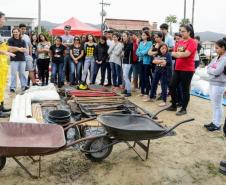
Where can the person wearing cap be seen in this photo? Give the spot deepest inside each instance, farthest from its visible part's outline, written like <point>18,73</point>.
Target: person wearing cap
<point>67,42</point>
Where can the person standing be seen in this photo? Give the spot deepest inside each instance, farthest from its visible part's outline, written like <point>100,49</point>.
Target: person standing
<point>76,53</point>
<point>4,67</point>
<point>43,59</point>
<point>217,81</point>
<point>127,62</point>
<point>145,60</point>
<point>57,53</point>
<point>162,60</point>
<point>101,56</point>
<point>29,61</point>
<point>34,44</point>
<point>18,62</point>
<point>168,39</point>
<point>67,42</point>
<point>115,56</point>
<point>89,49</point>
<point>184,53</point>
<point>107,65</point>
<point>135,68</point>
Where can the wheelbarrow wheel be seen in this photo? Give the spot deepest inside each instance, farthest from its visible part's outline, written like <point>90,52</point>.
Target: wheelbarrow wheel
<point>95,145</point>
<point>2,162</point>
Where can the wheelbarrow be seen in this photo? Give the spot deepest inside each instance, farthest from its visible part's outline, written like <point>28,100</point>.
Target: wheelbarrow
<point>34,140</point>
<point>126,128</point>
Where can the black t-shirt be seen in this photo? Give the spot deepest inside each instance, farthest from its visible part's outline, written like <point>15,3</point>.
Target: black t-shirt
<point>76,51</point>
<point>17,43</point>
<point>58,53</point>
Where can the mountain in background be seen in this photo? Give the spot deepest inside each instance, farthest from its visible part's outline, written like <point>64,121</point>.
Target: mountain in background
<point>49,25</point>
<point>210,36</point>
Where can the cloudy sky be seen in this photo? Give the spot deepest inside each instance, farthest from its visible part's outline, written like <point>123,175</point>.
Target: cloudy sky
<point>209,15</point>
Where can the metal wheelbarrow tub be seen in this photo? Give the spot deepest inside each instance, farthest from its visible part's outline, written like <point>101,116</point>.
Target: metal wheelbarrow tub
<point>130,127</point>
<point>30,139</point>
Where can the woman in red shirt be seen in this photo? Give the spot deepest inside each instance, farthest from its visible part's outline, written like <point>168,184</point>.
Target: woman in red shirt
<point>184,52</point>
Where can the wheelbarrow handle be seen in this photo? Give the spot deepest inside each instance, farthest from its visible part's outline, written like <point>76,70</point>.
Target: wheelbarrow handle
<point>84,139</point>
<point>175,126</point>
<point>71,125</point>
<point>158,112</point>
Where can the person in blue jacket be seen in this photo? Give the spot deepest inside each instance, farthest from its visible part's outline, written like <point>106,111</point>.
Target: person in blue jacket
<point>145,60</point>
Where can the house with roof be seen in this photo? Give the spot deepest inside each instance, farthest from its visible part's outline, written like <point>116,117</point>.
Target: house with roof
<point>128,25</point>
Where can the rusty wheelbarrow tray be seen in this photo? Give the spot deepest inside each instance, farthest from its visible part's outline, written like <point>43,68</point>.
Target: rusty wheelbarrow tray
<point>34,140</point>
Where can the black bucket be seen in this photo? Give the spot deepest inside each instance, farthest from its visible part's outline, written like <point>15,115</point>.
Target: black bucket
<point>59,116</point>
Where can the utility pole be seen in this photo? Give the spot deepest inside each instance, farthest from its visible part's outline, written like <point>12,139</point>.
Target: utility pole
<point>39,16</point>
<point>103,13</point>
<point>193,12</point>
<point>185,8</point>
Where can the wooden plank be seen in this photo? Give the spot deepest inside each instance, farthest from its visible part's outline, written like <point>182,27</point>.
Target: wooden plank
<point>37,112</point>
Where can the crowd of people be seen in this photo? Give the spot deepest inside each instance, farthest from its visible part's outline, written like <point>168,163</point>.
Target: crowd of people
<point>128,61</point>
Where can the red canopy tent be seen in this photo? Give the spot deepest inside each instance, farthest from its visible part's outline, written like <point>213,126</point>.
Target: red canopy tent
<point>77,28</point>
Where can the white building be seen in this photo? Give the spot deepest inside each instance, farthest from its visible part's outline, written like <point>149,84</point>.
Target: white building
<point>12,22</point>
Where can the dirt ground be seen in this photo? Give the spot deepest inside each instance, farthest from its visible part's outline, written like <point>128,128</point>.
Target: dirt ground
<point>190,157</point>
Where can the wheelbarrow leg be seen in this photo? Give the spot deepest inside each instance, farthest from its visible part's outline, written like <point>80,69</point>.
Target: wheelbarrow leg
<point>144,147</point>
<point>24,168</point>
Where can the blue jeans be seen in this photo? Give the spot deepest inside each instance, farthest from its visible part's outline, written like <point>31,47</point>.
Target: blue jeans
<point>145,78</point>
<point>57,73</point>
<point>96,70</point>
<point>89,63</point>
<point>116,72</point>
<point>66,65</point>
<point>18,67</point>
<point>75,72</point>
<point>162,77</point>
<point>126,70</point>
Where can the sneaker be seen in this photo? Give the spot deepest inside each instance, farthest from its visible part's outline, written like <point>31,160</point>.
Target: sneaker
<point>141,95</point>
<point>145,96</point>
<point>128,95</point>
<point>213,128</point>
<point>163,104</point>
<point>107,85</point>
<point>181,112</point>
<point>12,91</point>
<point>172,108</point>
<point>101,84</point>
<point>35,84</point>
<point>208,125</point>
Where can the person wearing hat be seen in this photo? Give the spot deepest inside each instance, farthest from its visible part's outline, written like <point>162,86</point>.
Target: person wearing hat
<point>67,42</point>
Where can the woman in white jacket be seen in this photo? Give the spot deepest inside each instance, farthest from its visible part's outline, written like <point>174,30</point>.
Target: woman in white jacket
<point>217,85</point>
<point>115,54</point>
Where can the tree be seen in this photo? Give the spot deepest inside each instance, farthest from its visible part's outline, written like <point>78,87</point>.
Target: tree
<point>171,19</point>
<point>185,21</point>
